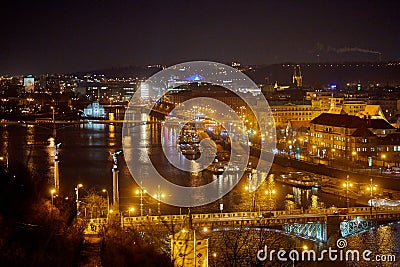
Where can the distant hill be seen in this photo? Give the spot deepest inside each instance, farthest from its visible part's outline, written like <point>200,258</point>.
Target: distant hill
<point>313,73</point>
<point>327,73</point>
<point>140,72</point>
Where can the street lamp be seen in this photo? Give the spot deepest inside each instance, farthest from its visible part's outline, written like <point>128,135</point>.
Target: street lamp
<point>354,154</point>
<point>140,192</point>
<point>52,191</point>
<point>77,197</point>
<point>346,185</point>
<point>383,157</point>
<point>333,155</point>
<point>251,191</point>
<point>2,158</point>
<point>108,201</point>
<point>372,188</point>
<point>314,152</point>
<point>53,110</point>
<point>130,210</point>
<point>159,196</point>
<point>270,191</point>
<point>215,258</point>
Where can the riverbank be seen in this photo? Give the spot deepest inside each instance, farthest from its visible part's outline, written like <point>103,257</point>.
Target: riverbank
<point>388,187</point>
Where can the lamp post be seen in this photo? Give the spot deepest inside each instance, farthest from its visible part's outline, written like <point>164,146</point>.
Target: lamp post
<point>53,113</point>
<point>77,197</point>
<point>140,192</point>
<point>270,191</point>
<point>346,185</point>
<point>333,156</point>
<point>314,151</point>
<point>251,189</point>
<point>354,154</point>
<point>159,196</point>
<point>108,201</point>
<point>372,188</point>
<point>130,210</point>
<point>6,159</point>
<point>52,191</point>
<point>383,157</point>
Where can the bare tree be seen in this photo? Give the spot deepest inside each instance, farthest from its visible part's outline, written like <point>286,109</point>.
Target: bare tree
<point>95,203</point>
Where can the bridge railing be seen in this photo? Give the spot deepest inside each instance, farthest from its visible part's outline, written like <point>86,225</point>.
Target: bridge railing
<point>262,214</point>
<point>393,209</point>
<point>210,216</point>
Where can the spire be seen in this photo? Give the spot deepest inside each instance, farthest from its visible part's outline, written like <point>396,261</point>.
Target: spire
<point>297,77</point>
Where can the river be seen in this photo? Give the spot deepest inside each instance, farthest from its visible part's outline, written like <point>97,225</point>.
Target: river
<point>85,158</point>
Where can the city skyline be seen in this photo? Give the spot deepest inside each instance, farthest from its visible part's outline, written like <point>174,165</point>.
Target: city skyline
<point>70,37</point>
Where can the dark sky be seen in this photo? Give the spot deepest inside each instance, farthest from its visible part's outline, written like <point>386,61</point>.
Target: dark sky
<point>54,36</point>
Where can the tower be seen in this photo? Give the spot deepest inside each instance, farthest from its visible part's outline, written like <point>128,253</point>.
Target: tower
<point>297,77</point>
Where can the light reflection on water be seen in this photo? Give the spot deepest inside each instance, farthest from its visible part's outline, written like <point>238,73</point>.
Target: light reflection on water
<point>84,158</point>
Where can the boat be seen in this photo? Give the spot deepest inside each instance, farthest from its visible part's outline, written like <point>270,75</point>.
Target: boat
<point>219,169</point>
<point>297,179</point>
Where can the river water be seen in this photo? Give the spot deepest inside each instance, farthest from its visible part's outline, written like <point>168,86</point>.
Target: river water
<point>85,158</point>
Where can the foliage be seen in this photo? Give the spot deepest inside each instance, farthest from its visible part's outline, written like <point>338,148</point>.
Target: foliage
<point>33,232</point>
<point>239,247</point>
<point>127,248</point>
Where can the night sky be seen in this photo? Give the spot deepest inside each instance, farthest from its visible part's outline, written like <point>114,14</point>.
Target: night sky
<point>54,37</point>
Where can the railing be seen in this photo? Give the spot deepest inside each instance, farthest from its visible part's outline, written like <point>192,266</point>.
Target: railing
<point>273,217</point>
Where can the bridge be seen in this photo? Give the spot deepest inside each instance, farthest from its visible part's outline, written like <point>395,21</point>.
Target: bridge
<point>318,225</point>
<point>64,123</point>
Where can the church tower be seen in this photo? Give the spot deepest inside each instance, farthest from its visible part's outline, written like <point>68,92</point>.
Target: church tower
<point>297,77</point>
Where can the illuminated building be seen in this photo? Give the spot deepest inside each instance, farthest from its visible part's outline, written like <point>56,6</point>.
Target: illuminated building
<point>144,90</point>
<point>29,84</point>
<point>353,107</point>
<point>94,110</point>
<point>284,112</point>
<point>389,149</point>
<point>389,107</point>
<point>338,135</point>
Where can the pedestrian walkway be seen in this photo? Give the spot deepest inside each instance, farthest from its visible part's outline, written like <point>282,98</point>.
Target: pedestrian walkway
<point>91,252</point>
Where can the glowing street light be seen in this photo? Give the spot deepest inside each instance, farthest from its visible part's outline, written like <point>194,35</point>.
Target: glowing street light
<point>52,191</point>
<point>270,191</point>
<point>130,210</point>
<point>383,157</point>
<point>77,197</point>
<point>108,201</point>
<point>346,185</point>
<point>5,158</point>
<point>53,113</point>
<point>251,190</point>
<point>159,196</point>
<point>140,192</point>
<point>372,188</point>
